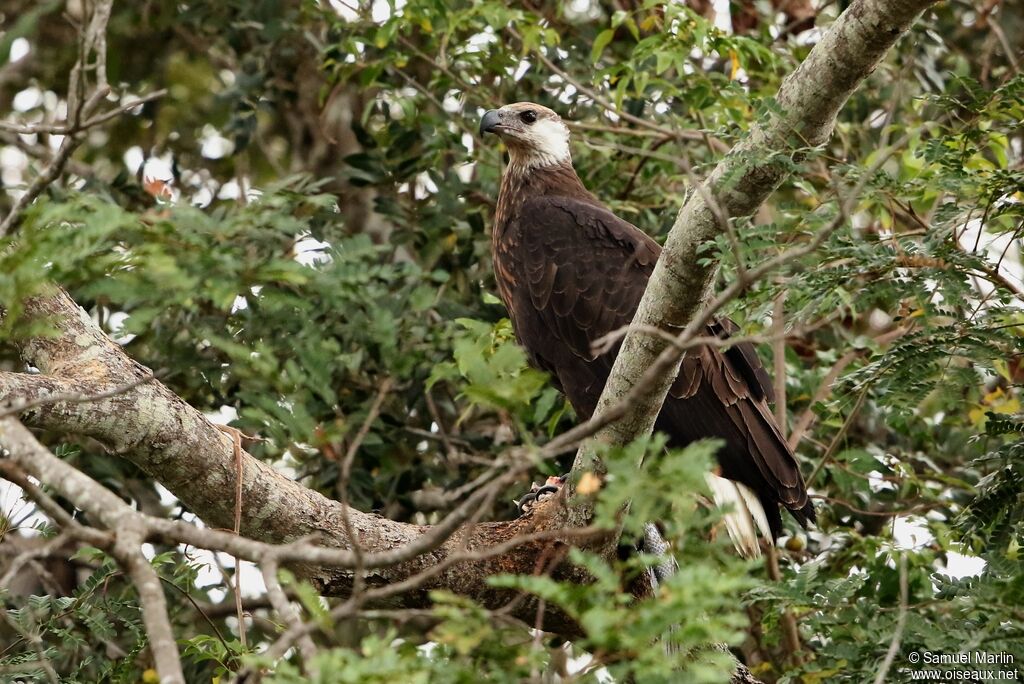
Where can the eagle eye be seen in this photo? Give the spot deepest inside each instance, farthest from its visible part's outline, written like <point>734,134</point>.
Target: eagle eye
<point>529,116</point>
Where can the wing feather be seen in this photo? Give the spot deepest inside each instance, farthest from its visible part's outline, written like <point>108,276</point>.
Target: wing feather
<point>584,272</point>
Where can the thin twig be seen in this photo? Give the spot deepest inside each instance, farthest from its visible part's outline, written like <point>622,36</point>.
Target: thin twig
<point>287,611</point>
<point>901,623</point>
<point>128,551</point>
<point>236,446</point>
<point>68,129</point>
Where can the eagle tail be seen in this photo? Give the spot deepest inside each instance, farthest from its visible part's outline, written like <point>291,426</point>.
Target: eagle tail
<point>744,515</point>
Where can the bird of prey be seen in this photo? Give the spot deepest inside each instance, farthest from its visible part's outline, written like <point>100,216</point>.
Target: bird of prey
<point>569,272</point>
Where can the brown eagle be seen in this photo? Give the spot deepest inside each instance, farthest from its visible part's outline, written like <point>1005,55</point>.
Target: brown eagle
<point>570,272</point>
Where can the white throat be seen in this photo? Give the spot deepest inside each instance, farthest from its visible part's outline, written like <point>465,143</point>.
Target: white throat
<point>547,144</point>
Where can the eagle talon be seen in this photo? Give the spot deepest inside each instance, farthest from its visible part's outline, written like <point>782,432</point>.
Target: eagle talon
<point>540,493</point>
<point>525,504</point>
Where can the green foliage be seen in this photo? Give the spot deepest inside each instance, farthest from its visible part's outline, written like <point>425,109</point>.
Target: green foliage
<point>495,373</point>
<point>101,610</point>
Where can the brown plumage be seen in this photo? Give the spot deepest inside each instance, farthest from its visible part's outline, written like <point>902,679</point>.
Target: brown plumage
<point>569,271</point>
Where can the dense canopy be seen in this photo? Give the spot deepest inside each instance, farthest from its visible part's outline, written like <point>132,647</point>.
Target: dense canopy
<point>282,209</point>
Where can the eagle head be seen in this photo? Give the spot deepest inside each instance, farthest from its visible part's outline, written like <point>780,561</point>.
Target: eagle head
<point>534,135</point>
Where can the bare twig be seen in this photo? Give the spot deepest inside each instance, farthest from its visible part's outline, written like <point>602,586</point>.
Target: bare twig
<point>284,608</point>
<point>901,622</point>
<point>236,447</point>
<point>128,551</point>
<point>93,44</point>
<point>779,358</point>
<point>69,129</point>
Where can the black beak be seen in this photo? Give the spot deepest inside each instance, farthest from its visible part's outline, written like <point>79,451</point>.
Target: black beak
<point>490,121</point>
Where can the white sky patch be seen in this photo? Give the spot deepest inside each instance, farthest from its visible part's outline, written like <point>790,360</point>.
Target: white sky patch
<point>215,145</point>
<point>240,304</point>
<point>578,664</point>
<point>877,118</point>
<point>959,565</point>
<point>222,416</point>
<point>209,575</point>
<point>19,510</point>
<point>202,197</point>
<point>424,186</point>
<point>166,498</point>
<point>133,159</point>
<point>879,319</point>
<point>381,10</point>
<point>452,102</point>
<point>521,70</point>
<point>310,251</point>
<point>993,248</point>
<point>158,168</point>
<point>809,37</point>
<point>346,9</point>
<point>27,99</point>
<point>54,104</point>
<point>116,321</point>
<point>19,48</point>
<point>911,532</point>
<point>723,16</point>
<point>579,7</point>
<point>127,98</point>
<point>878,483</point>
<point>229,190</point>
<point>479,42</point>
<point>465,171</point>
<point>13,163</point>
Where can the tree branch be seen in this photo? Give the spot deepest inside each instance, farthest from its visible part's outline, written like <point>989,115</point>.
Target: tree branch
<point>128,551</point>
<point>177,446</point>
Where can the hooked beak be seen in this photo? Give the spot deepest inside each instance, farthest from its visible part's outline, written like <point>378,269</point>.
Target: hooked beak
<point>490,121</point>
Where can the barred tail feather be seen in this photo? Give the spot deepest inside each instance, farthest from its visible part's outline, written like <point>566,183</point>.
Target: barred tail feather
<point>744,515</point>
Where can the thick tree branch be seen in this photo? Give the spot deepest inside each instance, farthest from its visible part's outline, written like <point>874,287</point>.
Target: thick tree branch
<point>128,551</point>
<point>808,102</point>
